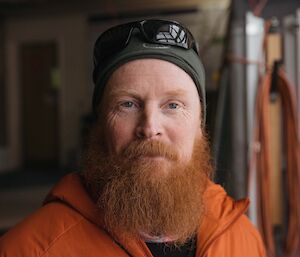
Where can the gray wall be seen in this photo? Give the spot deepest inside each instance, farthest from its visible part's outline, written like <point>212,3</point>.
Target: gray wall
<point>2,88</point>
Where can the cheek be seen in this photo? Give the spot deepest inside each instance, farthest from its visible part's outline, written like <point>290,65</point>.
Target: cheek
<point>184,137</point>
<point>119,135</point>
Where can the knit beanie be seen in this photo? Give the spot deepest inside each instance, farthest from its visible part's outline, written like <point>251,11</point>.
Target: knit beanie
<point>138,48</point>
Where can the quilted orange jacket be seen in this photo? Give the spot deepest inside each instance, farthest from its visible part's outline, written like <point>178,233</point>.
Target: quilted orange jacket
<point>68,224</point>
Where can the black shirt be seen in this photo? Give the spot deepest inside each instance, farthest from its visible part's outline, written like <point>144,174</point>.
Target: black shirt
<point>164,250</point>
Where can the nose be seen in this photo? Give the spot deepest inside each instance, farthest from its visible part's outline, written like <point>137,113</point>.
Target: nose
<point>149,125</point>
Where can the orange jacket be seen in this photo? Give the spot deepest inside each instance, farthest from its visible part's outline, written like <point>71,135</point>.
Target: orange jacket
<point>68,225</point>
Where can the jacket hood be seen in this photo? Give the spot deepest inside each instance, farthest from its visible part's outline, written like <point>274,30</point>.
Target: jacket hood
<point>221,211</point>
<point>71,191</point>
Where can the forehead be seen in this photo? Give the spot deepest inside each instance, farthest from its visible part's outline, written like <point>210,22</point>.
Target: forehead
<point>152,76</point>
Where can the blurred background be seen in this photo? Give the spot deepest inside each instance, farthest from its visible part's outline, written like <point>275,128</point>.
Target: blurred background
<point>46,86</point>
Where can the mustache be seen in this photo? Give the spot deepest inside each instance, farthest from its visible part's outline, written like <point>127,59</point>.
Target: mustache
<point>151,148</point>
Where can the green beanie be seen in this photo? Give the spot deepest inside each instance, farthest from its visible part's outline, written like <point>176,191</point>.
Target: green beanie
<point>137,48</point>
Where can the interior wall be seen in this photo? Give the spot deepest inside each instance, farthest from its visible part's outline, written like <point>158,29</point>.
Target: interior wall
<point>70,34</point>
<point>2,89</point>
<point>109,7</point>
<point>4,141</point>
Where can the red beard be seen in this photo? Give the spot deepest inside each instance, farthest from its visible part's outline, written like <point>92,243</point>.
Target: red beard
<point>137,194</point>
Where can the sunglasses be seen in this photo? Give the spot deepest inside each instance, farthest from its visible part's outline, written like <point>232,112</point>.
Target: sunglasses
<point>161,32</point>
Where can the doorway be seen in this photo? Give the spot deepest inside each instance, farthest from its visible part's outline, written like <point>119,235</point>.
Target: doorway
<point>39,104</point>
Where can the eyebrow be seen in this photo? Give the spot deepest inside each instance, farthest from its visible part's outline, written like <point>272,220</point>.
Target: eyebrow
<point>177,92</point>
<point>119,93</point>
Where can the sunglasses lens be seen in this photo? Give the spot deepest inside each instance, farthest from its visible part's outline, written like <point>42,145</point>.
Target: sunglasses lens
<point>111,42</point>
<point>167,33</point>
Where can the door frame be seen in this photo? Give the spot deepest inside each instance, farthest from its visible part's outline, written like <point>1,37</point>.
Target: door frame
<point>18,35</point>
<point>24,117</point>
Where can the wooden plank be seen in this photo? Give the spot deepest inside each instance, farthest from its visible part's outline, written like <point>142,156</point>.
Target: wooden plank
<point>273,53</point>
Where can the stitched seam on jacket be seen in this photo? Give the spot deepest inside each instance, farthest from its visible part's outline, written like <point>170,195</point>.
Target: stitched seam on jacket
<point>51,244</point>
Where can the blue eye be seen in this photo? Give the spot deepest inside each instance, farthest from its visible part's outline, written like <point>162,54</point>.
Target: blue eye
<point>127,104</point>
<point>173,105</point>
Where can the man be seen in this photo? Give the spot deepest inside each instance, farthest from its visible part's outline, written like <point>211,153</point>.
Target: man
<point>144,189</point>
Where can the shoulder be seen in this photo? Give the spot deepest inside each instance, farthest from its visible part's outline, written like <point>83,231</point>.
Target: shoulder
<point>39,231</point>
<point>55,230</point>
<point>231,232</point>
<point>240,239</point>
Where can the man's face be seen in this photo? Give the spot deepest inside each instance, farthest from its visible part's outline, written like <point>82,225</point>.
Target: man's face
<point>147,161</point>
<point>151,100</point>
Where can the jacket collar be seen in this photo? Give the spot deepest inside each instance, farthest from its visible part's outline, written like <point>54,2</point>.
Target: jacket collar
<point>221,212</point>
